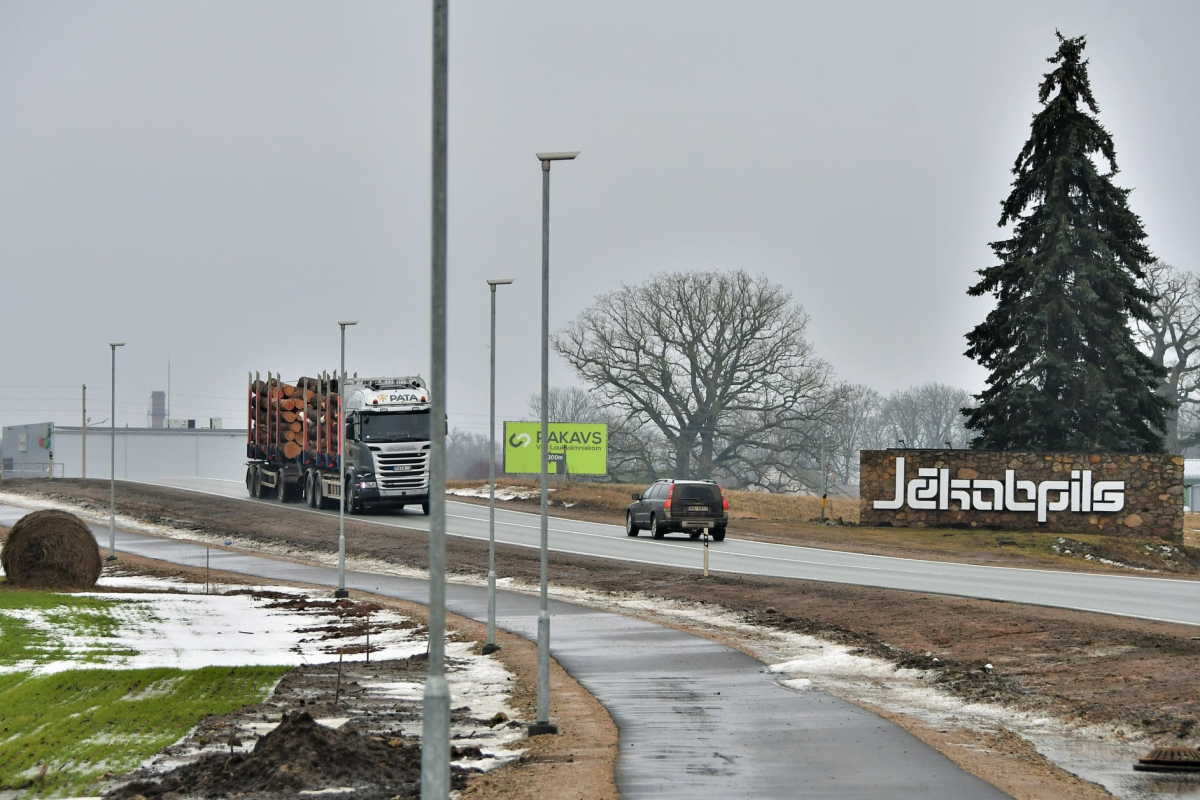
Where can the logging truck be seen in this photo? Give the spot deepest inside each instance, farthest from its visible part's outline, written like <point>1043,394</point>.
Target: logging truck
<point>293,445</point>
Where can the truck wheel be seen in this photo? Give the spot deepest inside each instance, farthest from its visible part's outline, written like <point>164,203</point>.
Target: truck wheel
<point>309,497</point>
<point>631,528</point>
<point>319,501</point>
<point>425,508</point>
<point>250,480</point>
<point>281,490</point>
<point>260,491</point>
<point>656,531</point>
<point>350,497</point>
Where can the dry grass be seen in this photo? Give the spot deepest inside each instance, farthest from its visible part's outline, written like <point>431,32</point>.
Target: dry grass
<point>1191,530</point>
<point>789,519</point>
<point>614,498</point>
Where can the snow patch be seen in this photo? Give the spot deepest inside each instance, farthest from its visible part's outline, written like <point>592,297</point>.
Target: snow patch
<point>502,492</point>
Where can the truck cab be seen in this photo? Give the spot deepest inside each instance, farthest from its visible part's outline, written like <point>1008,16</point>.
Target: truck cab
<point>387,442</point>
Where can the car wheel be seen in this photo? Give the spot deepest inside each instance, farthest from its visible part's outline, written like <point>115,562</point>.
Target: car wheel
<point>718,534</point>
<point>655,530</point>
<point>631,528</point>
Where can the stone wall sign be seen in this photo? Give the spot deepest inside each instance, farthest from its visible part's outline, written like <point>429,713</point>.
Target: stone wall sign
<point>1133,495</point>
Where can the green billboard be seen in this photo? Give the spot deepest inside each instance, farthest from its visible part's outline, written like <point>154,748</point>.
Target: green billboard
<point>576,448</point>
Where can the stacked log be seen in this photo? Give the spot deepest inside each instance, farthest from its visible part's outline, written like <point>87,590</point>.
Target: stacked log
<point>294,417</point>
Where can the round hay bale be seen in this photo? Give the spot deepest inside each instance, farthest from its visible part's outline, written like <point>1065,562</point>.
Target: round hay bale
<point>51,550</point>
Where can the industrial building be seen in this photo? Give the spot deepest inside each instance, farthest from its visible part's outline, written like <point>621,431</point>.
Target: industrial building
<point>46,449</point>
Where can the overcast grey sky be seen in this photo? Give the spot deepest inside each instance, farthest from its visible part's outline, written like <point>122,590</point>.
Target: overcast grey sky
<point>219,182</point>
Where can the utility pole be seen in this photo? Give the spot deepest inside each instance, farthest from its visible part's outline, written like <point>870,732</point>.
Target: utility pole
<point>83,435</point>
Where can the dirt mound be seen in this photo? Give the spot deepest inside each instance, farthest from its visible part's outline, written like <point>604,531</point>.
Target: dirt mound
<point>51,550</point>
<point>299,755</point>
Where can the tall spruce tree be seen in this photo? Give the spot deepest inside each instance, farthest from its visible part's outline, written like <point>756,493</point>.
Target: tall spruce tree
<point>1065,373</point>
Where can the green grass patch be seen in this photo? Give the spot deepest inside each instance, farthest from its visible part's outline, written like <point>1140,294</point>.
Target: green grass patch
<point>81,724</point>
<point>88,621</point>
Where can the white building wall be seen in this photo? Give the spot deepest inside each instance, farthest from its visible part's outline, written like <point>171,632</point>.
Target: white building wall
<point>149,453</point>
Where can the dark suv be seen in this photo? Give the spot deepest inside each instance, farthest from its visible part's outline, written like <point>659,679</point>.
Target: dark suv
<point>673,505</point>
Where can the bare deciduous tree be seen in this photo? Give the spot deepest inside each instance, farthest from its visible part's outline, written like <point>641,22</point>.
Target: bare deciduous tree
<point>715,362</point>
<point>1172,340</point>
<point>569,404</point>
<point>634,453</point>
<point>467,455</point>
<point>927,416</point>
<point>858,426</point>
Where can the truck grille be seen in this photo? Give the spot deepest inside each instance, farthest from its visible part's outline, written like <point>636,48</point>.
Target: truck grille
<point>409,470</point>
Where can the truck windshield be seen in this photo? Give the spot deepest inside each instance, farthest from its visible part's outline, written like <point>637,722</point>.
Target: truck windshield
<point>411,427</point>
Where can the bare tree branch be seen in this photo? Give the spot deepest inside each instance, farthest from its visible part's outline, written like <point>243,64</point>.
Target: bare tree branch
<point>715,362</point>
<point>1172,339</point>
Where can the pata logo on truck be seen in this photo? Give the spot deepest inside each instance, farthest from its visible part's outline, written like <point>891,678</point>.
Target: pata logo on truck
<point>934,490</point>
<point>399,397</point>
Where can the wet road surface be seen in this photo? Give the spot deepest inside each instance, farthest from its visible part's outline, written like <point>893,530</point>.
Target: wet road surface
<point>1162,599</point>
<point>696,719</point>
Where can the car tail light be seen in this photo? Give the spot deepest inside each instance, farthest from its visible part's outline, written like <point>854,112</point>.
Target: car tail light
<point>667,504</point>
<point>724,501</point>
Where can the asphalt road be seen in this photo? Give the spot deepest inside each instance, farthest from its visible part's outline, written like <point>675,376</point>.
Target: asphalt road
<point>697,719</point>
<point>1161,599</point>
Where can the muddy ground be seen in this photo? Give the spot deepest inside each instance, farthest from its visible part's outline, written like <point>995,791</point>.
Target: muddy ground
<point>375,752</point>
<point>1137,676</point>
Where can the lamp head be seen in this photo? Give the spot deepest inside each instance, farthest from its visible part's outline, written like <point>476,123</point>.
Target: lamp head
<point>115,345</point>
<point>562,156</point>
<point>347,323</point>
<point>494,282</point>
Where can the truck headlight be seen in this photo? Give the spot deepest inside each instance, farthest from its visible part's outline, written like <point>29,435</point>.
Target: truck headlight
<point>366,485</point>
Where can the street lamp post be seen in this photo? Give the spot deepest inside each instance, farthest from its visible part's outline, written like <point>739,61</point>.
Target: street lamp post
<point>345,494</point>
<point>491,645</point>
<point>435,704</point>
<point>112,457</point>
<point>543,724</point>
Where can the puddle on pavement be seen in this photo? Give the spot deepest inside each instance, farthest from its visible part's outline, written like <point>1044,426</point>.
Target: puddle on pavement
<point>1111,766</point>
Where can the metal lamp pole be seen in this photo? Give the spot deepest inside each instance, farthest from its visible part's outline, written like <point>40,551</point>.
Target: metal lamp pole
<point>112,457</point>
<point>341,590</point>
<point>435,710</point>
<point>543,724</point>
<point>491,645</point>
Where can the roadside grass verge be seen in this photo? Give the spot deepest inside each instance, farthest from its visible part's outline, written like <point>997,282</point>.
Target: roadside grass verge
<point>66,627</point>
<point>790,519</point>
<point>62,733</point>
<point>1038,549</point>
<point>614,498</point>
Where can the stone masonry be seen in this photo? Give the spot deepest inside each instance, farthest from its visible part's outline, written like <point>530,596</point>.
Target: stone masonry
<point>1152,493</point>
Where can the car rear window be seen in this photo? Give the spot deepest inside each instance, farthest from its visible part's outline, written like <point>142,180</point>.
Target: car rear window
<point>703,494</point>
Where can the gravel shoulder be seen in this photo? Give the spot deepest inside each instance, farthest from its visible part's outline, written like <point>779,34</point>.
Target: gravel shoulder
<point>1126,679</point>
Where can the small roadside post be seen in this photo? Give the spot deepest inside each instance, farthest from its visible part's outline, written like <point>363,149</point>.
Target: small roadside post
<point>705,537</point>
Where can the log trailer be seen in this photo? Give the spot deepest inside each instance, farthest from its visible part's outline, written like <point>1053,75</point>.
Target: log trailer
<point>292,445</point>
